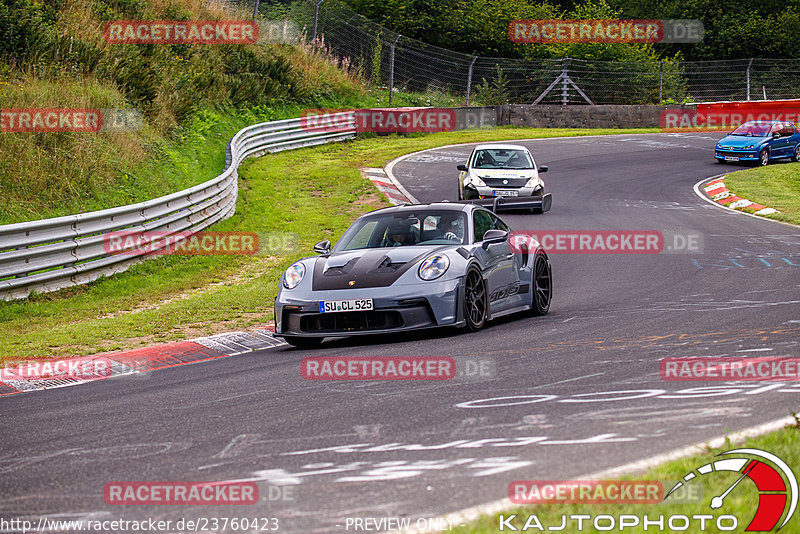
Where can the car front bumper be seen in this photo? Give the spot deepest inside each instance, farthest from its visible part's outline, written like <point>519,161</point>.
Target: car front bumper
<point>409,307</point>
<point>743,155</point>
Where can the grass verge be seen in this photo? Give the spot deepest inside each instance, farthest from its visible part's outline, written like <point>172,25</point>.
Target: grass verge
<point>741,502</point>
<point>312,193</point>
<point>775,186</point>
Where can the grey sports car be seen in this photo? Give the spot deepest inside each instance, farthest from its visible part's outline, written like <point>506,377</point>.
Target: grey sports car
<point>412,267</point>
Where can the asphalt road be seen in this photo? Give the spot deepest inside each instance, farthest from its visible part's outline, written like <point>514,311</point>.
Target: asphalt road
<point>588,394</point>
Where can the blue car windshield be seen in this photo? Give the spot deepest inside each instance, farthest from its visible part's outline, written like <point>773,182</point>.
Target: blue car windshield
<point>753,129</point>
<point>424,227</point>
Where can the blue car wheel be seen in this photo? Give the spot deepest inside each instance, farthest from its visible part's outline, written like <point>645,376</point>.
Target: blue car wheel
<point>763,158</point>
<point>796,155</point>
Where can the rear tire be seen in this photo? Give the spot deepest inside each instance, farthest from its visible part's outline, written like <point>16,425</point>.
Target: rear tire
<point>303,342</point>
<point>542,286</point>
<point>476,302</point>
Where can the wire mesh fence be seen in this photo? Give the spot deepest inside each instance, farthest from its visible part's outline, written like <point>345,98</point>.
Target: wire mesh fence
<point>400,64</point>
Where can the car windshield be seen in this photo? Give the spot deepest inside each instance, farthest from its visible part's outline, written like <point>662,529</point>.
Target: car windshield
<point>753,129</point>
<point>502,158</point>
<point>425,227</point>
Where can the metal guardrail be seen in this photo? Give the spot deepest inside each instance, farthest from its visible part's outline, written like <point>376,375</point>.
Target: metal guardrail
<point>52,254</point>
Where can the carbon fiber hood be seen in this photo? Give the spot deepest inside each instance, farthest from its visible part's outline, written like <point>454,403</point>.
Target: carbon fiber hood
<point>378,267</point>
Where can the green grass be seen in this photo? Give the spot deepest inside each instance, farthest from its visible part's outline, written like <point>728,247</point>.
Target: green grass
<point>775,186</point>
<point>741,502</point>
<point>314,193</point>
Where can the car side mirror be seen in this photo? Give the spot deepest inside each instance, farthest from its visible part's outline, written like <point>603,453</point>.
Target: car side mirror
<point>776,135</point>
<point>494,236</point>
<point>462,167</point>
<point>543,168</point>
<point>323,247</point>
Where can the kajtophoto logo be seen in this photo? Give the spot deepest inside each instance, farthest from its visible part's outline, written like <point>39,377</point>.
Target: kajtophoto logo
<point>776,484</point>
<point>774,481</point>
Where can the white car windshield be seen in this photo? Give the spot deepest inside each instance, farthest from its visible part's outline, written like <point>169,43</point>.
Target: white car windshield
<point>426,227</point>
<point>501,158</point>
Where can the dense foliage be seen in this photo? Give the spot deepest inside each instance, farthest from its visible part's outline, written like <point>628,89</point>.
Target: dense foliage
<point>734,29</point>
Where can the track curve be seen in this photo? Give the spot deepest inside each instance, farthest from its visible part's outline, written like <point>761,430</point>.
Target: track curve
<point>575,392</point>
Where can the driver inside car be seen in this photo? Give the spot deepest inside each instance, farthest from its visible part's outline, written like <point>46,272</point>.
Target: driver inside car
<point>398,234</point>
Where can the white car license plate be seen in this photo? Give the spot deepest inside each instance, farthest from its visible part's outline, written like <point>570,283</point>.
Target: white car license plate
<point>506,193</point>
<point>333,306</point>
<point>731,158</point>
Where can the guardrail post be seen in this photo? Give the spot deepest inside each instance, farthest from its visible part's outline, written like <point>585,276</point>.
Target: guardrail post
<point>469,77</point>
<point>391,69</point>
<point>255,10</point>
<point>661,81</point>
<point>565,82</point>
<point>316,18</point>
<point>748,78</point>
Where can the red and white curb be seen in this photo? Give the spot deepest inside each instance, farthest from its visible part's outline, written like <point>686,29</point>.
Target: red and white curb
<point>142,360</point>
<point>720,194</point>
<point>386,186</point>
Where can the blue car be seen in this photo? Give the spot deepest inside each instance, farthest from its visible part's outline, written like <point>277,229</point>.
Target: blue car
<point>760,142</point>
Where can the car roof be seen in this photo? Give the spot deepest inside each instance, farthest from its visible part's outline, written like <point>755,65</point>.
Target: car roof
<point>500,146</point>
<point>442,206</point>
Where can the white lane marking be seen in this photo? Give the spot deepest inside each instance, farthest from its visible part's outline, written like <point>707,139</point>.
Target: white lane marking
<point>753,350</point>
<point>473,513</point>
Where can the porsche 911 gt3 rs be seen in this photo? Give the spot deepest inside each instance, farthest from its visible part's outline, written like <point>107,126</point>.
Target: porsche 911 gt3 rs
<point>412,267</point>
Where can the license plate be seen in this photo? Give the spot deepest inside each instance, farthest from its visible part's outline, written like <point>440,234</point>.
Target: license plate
<point>333,306</point>
<point>731,158</point>
<point>505,193</point>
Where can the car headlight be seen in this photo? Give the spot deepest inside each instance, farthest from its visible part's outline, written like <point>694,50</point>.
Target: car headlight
<point>533,182</point>
<point>293,275</point>
<point>475,180</point>
<point>719,145</point>
<point>749,147</point>
<point>433,267</point>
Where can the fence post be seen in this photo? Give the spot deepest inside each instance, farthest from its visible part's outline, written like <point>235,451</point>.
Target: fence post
<point>316,17</point>
<point>391,70</point>
<point>748,78</point>
<point>660,82</point>
<point>469,77</point>
<point>565,82</point>
<point>255,10</point>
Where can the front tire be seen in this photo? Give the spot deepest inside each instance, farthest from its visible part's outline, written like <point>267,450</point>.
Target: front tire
<point>303,342</point>
<point>763,158</point>
<point>542,287</point>
<point>476,303</point>
<point>796,155</point>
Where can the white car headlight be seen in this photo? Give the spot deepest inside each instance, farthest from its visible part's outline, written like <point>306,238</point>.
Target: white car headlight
<point>293,275</point>
<point>434,267</point>
<point>533,182</point>
<point>475,180</point>
<point>749,147</point>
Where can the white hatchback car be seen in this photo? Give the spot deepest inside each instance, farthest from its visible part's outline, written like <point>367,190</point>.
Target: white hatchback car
<point>506,171</point>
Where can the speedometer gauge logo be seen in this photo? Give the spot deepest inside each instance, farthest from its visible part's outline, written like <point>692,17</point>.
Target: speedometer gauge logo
<point>775,481</point>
